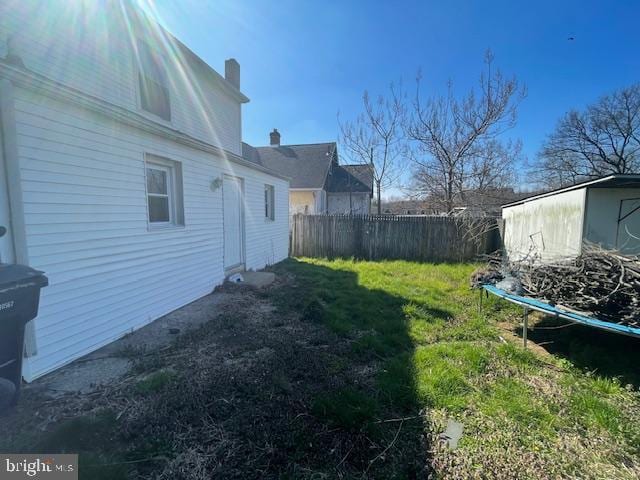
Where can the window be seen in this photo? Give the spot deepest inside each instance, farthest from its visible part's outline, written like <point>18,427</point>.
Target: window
<point>154,91</point>
<point>269,201</point>
<point>164,192</point>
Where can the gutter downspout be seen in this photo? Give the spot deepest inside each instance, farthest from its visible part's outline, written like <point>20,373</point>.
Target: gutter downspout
<point>16,230</point>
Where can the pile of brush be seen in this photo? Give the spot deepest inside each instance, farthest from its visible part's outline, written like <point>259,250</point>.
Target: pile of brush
<point>600,282</point>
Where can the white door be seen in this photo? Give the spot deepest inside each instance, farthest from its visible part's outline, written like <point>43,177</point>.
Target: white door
<point>233,222</point>
<point>628,237</point>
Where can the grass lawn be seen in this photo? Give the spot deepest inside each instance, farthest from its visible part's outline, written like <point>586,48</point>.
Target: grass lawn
<point>352,370</point>
<point>526,414</point>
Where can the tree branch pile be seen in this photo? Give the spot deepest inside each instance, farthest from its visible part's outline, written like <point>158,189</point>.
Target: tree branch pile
<point>599,282</point>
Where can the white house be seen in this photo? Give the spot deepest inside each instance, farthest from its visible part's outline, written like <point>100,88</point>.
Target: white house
<point>121,173</point>
<point>319,183</point>
<point>557,224</point>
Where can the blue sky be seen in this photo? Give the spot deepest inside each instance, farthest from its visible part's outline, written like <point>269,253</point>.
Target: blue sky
<point>304,61</point>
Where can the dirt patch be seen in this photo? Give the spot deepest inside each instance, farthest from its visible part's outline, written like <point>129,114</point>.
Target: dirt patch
<point>108,364</point>
<point>245,395</point>
<point>515,337</point>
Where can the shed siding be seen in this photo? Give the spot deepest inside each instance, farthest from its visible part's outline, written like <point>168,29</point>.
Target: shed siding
<point>547,228</point>
<point>601,223</point>
<point>321,202</point>
<point>360,203</point>
<point>86,45</point>
<point>86,220</point>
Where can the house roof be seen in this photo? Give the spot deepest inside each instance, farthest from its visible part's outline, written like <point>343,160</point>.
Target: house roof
<point>610,181</point>
<point>312,166</point>
<point>209,71</point>
<point>350,178</point>
<point>193,61</point>
<point>306,165</point>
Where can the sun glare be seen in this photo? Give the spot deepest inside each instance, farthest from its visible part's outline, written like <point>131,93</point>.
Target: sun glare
<point>180,63</point>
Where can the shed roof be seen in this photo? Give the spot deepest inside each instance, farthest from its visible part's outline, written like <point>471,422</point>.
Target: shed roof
<point>610,181</point>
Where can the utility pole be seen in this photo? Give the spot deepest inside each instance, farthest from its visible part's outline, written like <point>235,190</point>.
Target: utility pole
<point>375,179</point>
<point>350,197</point>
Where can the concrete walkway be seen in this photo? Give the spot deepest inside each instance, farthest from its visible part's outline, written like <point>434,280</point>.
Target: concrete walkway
<point>112,361</point>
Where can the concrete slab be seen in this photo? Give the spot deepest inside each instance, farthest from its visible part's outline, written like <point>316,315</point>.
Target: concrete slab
<point>259,279</point>
<point>83,376</point>
<point>112,361</point>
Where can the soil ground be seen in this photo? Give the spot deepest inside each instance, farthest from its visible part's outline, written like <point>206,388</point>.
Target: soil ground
<point>348,370</point>
<point>236,397</point>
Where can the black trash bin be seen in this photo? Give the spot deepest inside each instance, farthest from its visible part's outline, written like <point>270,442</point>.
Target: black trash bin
<point>19,298</point>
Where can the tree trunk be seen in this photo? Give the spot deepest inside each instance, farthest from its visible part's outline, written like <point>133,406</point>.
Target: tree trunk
<point>378,195</point>
<point>449,196</point>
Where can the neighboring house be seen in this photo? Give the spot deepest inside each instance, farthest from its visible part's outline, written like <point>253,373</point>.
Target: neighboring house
<point>319,184</point>
<point>556,224</point>
<point>475,203</point>
<point>486,202</point>
<point>121,173</point>
<point>409,207</point>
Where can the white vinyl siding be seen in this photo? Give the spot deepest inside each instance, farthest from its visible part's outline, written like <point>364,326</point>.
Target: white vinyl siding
<point>97,57</point>
<point>85,202</point>
<point>96,60</point>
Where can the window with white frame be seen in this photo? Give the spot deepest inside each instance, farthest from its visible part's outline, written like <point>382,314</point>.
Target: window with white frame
<point>164,192</point>
<point>154,83</point>
<point>269,202</point>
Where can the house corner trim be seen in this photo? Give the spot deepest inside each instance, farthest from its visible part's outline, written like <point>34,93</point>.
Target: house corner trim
<point>12,165</point>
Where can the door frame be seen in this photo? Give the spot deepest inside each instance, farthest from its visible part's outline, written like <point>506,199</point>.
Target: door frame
<point>242,264</point>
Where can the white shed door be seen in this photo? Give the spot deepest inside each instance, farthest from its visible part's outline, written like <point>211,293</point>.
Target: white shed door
<point>628,237</point>
<point>233,222</point>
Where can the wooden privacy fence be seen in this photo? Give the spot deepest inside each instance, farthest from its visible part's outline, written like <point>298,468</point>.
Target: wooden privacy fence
<point>379,237</point>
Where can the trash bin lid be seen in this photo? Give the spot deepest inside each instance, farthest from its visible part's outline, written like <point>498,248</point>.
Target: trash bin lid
<point>20,275</point>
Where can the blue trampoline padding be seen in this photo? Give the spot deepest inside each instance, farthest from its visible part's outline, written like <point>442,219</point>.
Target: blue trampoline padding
<point>559,312</point>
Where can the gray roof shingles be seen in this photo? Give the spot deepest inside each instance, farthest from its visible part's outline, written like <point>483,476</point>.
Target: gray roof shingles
<point>305,165</point>
<point>310,166</point>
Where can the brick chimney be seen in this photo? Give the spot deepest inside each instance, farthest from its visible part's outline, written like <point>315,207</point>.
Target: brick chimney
<point>275,138</point>
<point>232,72</point>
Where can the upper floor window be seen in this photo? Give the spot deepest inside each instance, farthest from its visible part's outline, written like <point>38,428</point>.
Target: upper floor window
<point>269,201</point>
<point>154,84</point>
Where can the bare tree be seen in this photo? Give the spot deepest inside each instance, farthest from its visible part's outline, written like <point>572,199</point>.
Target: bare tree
<point>458,146</point>
<point>492,170</point>
<point>375,138</point>
<point>601,140</point>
